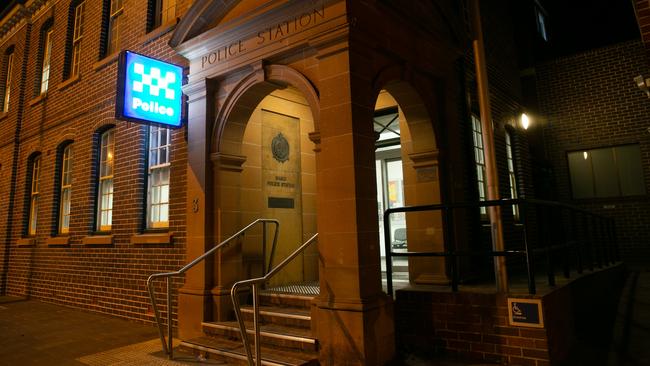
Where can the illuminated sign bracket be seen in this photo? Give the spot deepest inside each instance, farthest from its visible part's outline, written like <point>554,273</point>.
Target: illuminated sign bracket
<point>149,91</point>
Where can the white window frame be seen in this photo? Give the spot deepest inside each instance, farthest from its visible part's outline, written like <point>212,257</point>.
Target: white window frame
<point>9,71</point>
<point>66,190</point>
<point>105,181</point>
<point>34,196</point>
<point>512,176</point>
<point>479,160</point>
<point>116,10</point>
<point>77,36</point>
<point>47,56</point>
<point>158,178</point>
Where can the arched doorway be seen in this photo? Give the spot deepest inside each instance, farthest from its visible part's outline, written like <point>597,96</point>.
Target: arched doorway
<point>264,166</point>
<point>407,175</point>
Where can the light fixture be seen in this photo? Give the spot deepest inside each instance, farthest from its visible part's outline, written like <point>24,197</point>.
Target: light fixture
<point>525,121</point>
<point>585,155</point>
<point>643,84</point>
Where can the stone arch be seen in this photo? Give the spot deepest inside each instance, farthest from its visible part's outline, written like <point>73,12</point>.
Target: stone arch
<point>249,92</point>
<point>397,80</point>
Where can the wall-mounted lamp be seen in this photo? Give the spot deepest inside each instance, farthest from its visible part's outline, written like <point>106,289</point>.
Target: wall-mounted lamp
<point>643,84</point>
<point>525,121</point>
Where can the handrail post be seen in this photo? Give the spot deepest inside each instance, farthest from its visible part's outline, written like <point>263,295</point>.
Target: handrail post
<point>529,254</point>
<point>566,244</point>
<point>576,239</point>
<point>264,248</point>
<point>451,248</point>
<point>588,240</point>
<point>550,270</point>
<point>169,318</point>
<point>256,324</point>
<point>389,257</point>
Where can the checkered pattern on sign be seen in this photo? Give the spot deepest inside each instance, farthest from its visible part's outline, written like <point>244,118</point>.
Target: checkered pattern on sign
<point>154,81</point>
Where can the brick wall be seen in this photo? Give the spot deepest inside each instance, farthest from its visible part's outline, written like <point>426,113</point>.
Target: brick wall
<point>470,326</point>
<point>590,101</point>
<point>105,278</point>
<point>475,327</point>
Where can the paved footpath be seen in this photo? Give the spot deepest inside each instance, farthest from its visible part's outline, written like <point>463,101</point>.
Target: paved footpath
<point>37,333</point>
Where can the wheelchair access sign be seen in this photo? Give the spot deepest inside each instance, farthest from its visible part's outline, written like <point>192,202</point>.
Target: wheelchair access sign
<point>525,312</point>
<point>149,91</point>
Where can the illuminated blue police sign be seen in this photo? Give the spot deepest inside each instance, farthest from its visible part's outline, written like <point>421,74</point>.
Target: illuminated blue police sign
<point>149,91</point>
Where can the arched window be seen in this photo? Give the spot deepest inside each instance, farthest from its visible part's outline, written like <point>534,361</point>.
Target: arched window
<point>76,18</point>
<point>106,156</point>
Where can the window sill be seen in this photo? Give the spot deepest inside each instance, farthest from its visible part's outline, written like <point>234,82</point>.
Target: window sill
<point>57,241</point>
<point>40,98</point>
<point>26,242</point>
<point>93,240</point>
<point>68,82</point>
<point>157,32</point>
<point>107,60</point>
<point>3,115</point>
<point>152,238</point>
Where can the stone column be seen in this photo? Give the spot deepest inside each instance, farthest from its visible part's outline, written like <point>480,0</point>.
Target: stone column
<point>194,296</point>
<point>354,317</point>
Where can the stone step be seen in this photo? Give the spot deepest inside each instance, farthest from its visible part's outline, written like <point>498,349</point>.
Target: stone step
<point>233,353</point>
<point>282,315</point>
<point>288,300</point>
<point>270,334</point>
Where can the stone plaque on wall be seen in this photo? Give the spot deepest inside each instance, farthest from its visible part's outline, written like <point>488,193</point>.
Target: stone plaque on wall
<point>280,159</point>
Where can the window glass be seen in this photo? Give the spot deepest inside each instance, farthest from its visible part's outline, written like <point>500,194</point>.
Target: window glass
<point>77,36</point>
<point>512,177</point>
<point>9,71</point>
<point>159,175</point>
<point>105,184</point>
<point>607,172</point>
<point>479,159</point>
<point>165,11</point>
<point>34,195</point>
<point>114,24</point>
<point>604,167</point>
<point>47,53</point>
<point>66,190</point>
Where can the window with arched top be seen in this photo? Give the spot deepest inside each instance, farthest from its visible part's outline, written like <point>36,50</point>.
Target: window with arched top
<point>34,192</point>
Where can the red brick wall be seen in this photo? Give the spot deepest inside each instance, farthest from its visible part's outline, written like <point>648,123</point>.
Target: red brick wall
<point>470,326</point>
<point>109,278</point>
<point>591,101</point>
<point>642,8</point>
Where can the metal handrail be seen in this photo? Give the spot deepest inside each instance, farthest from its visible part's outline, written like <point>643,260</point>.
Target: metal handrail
<point>255,283</point>
<point>167,346</point>
<point>610,252</point>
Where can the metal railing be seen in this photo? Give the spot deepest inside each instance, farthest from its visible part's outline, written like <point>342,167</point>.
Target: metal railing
<point>255,284</point>
<point>168,346</point>
<point>573,231</point>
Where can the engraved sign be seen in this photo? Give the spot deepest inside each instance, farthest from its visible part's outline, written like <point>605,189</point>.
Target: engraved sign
<point>280,148</point>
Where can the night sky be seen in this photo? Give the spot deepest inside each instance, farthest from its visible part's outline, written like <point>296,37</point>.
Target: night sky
<point>579,25</point>
<point>574,25</point>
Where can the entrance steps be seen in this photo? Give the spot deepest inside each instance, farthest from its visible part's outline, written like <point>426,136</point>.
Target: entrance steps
<point>285,334</point>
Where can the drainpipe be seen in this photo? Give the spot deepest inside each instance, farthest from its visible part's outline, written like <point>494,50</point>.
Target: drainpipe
<point>492,176</point>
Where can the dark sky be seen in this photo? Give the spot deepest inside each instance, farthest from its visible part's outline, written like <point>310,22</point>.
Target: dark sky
<point>574,25</point>
<point>578,25</point>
